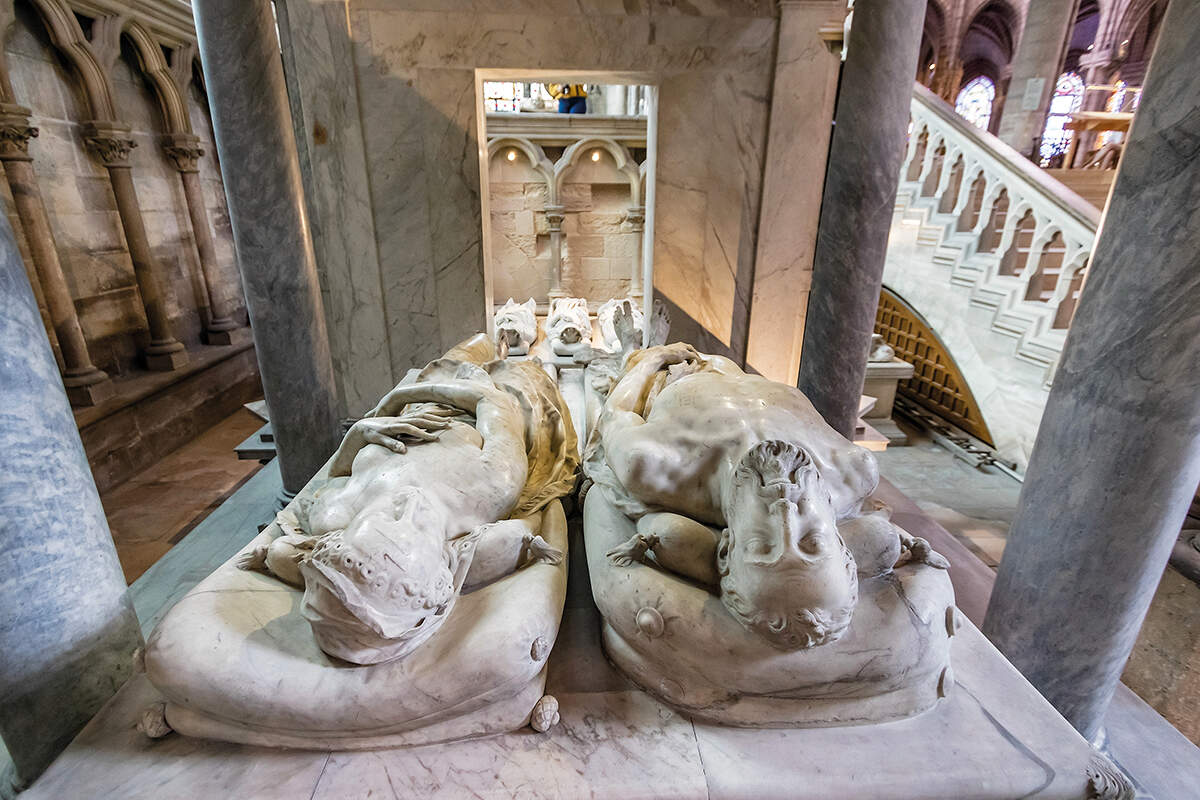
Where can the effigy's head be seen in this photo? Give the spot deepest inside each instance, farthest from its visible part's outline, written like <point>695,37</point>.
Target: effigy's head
<point>785,572</point>
<point>379,588</point>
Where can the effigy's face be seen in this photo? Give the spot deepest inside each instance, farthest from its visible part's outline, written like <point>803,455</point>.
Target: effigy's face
<point>786,574</point>
<point>383,586</point>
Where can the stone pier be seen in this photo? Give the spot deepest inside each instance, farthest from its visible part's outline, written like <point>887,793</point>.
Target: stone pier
<point>856,211</point>
<point>184,151</point>
<point>261,168</point>
<point>111,143</point>
<point>1117,458</point>
<point>67,629</point>
<point>85,383</point>
<point>1035,69</point>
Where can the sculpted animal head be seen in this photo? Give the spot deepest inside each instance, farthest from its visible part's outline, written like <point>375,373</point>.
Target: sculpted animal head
<point>568,321</point>
<point>785,572</point>
<point>516,323</point>
<point>379,588</point>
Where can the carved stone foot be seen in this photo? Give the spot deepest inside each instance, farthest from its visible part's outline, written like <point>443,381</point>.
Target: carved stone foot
<point>629,552</point>
<point>255,560</point>
<point>153,722</point>
<point>541,552</point>
<point>545,714</point>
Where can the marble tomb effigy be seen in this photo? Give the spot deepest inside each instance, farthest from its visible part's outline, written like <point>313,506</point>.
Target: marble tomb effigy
<point>410,594</point>
<point>743,574</point>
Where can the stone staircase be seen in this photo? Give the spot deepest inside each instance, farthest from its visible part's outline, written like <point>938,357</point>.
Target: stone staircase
<point>974,201</point>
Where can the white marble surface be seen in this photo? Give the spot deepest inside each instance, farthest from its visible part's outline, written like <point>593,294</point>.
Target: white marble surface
<point>993,738</point>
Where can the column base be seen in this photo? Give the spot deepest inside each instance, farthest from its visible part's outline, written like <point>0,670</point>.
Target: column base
<point>91,394</point>
<point>88,386</point>
<point>213,336</point>
<point>165,356</point>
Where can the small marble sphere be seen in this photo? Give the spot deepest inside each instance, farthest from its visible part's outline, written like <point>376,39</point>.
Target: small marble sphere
<point>568,327</point>
<point>516,326</point>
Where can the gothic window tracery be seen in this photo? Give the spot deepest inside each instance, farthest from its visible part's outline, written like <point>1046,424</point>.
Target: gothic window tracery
<point>974,103</point>
<point>1066,100</point>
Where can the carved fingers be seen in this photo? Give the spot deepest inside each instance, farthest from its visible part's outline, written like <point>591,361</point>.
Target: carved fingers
<point>629,552</point>
<point>390,432</point>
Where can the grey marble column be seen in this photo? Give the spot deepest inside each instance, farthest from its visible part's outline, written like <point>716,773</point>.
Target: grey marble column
<point>865,155</point>
<point>1035,69</point>
<point>1117,457</point>
<point>112,143</point>
<point>244,75</point>
<point>184,151</point>
<point>85,383</point>
<point>67,629</point>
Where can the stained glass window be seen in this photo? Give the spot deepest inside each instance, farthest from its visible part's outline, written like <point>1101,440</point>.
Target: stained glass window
<point>974,103</point>
<point>1066,100</point>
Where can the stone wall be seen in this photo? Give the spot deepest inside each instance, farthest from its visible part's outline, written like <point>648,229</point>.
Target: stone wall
<point>600,248</point>
<point>82,209</point>
<point>411,132</point>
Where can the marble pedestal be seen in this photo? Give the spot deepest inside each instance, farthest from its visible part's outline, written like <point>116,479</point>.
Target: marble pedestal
<point>992,737</point>
<point>882,378</point>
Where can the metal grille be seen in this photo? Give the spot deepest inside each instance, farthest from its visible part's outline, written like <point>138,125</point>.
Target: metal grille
<point>936,384</point>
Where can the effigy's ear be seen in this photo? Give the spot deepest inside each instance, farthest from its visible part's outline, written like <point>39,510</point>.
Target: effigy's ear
<point>724,546</point>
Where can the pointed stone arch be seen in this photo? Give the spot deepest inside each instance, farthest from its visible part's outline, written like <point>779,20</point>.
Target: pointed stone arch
<point>162,78</point>
<point>70,40</point>
<point>536,157</point>
<point>620,155</point>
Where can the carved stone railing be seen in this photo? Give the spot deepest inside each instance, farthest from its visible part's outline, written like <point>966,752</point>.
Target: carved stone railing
<point>997,225</point>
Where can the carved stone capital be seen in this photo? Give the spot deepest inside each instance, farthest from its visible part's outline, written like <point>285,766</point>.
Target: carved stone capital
<point>555,216</point>
<point>635,217</point>
<point>112,144</point>
<point>14,141</point>
<point>185,151</point>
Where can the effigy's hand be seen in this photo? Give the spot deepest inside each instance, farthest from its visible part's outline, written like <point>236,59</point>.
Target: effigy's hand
<point>390,432</point>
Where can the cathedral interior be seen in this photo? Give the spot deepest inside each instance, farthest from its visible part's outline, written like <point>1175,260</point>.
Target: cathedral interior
<point>656,398</point>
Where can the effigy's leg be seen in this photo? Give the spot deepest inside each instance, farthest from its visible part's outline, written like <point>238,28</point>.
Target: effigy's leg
<point>281,558</point>
<point>679,544</point>
<point>502,548</point>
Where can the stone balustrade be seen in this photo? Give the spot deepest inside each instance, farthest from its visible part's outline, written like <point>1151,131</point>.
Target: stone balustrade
<point>1015,237</point>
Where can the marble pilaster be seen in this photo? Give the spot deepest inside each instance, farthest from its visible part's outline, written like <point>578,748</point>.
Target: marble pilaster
<point>85,383</point>
<point>802,99</point>
<point>1116,461</point>
<point>1035,68</point>
<point>111,142</point>
<point>261,169</point>
<point>856,210</point>
<point>67,628</point>
<point>184,151</point>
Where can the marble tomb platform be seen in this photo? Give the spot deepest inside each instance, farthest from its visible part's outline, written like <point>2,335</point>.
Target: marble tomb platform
<point>992,737</point>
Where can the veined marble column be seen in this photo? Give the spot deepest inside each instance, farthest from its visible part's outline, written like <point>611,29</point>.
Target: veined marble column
<point>184,151</point>
<point>261,168</point>
<point>635,217</point>
<point>67,628</point>
<point>1117,457</point>
<point>554,218</point>
<point>85,383</point>
<point>112,144</point>
<point>856,210</point>
<point>1035,69</point>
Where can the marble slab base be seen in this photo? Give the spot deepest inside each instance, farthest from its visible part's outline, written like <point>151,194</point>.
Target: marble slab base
<point>994,737</point>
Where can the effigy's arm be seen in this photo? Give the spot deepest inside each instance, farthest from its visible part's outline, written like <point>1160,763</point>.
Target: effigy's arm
<point>389,432</point>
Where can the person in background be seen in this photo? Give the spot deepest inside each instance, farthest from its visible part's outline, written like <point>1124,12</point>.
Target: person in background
<point>571,97</point>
